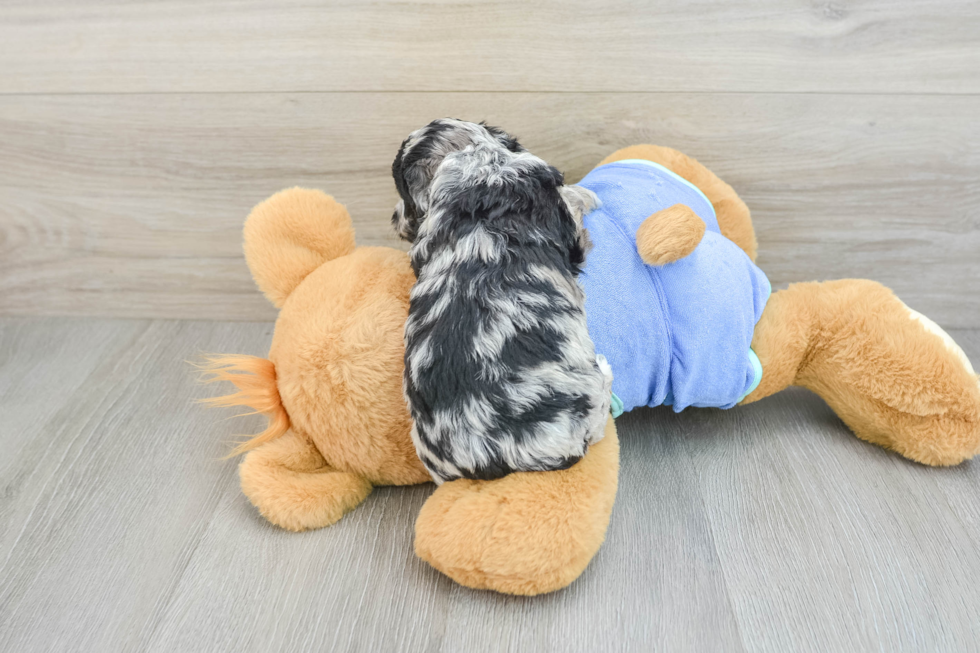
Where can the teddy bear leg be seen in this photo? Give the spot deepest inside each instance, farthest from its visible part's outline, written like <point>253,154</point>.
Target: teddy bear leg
<point>895,378</point>
<point>293,487</point>
<point>526,533</point>
<point>733,215</point>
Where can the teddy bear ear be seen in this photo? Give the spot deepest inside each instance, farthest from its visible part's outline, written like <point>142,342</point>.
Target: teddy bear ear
<point>291,234</point>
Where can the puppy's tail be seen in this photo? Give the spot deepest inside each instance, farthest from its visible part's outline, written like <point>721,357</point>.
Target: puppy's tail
<point>255,379</point>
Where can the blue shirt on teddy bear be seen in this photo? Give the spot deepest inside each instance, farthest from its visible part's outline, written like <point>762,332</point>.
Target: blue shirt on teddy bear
<point>676,334</point>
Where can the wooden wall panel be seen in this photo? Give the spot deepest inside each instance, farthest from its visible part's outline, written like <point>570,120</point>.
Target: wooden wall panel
<point>881,46</point>
<point>132,205</point>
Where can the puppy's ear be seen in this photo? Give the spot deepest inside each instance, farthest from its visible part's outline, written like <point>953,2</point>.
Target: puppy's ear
<point>402,220</point>
<point>580,203</point>
<point>398,218</point>
<point>504,138</point>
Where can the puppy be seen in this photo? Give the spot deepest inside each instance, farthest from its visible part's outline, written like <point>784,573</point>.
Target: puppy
<point>500,373</point>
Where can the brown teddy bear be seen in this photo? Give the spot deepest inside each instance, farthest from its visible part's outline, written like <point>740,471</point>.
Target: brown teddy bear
<point>332,388</point>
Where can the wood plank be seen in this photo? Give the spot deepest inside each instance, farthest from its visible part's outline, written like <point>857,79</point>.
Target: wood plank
<point>132,206</point>
<point>829,543</point>
<point>42,366</point>
<point>114,488</point>
<point>143,541</point>
<point>765,528</point>
<point>357,586</point>
<point>582,46</point>
<point>354,586</point>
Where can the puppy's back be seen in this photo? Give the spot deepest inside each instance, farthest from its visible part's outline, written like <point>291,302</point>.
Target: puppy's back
<point>500,373</point>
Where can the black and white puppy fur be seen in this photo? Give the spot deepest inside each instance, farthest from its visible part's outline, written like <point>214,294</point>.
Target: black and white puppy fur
<point>500,373</point>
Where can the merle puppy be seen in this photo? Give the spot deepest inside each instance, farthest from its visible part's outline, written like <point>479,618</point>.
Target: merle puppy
<point>500,373</point>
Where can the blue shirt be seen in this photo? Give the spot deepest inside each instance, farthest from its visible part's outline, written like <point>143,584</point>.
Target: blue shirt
<point>679,333</point>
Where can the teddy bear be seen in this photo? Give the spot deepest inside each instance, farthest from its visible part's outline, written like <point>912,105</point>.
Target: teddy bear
<point>331,384</point>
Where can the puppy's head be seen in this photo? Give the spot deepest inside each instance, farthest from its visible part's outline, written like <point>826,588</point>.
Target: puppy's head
<point>479,177</point>
<point>421,154</point>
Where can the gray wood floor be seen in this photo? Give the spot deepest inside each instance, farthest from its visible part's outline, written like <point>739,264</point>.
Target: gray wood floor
<point>765,528</point>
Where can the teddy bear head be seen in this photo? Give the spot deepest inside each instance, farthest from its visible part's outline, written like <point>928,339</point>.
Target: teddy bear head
<point>337,355</point>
